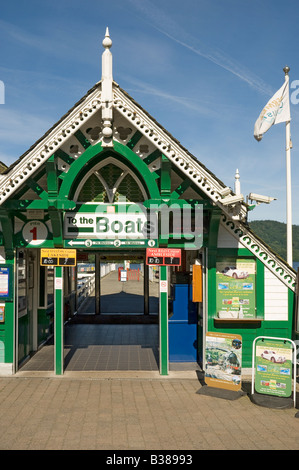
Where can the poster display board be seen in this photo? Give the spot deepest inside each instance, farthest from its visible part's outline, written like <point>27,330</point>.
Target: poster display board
<point>273,366</point>
<point>6,277</point>
<point>236,281</point>
<point>223,356</point>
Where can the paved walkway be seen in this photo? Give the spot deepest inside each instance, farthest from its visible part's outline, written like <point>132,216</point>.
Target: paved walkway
<point>167,413</point>
<point>99,409</point>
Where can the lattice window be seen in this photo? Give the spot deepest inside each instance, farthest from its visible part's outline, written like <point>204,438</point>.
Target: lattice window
<point>109,184</point>
<point>129,188</point>
<point>93,191</point>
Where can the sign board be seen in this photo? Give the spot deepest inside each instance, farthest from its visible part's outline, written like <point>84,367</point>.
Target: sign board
<point>273,366</point>
<point>163,286</point>
<point>223,359</point>
<point>116,243</point>
<point>123,276</point>
<point>163,256</point>
<point>132,223</point>
<point>35,232</point>
<point>57,257</point>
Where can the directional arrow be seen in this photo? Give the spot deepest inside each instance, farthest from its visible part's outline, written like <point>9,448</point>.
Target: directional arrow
<point>72,242</point>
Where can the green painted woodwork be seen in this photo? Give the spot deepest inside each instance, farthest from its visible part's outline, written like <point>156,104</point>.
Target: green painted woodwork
<point>163,322</point>
<point>6,221</point>
<point>192,185</point>
<point>97,153</point>
<point>23,338</point>
<point>152,157</point>
<point>54,214</point>
<point>165,179</point>
<point>82,139</point>
<point>19,194</point>
<point>94,190</point>
<point>134,140</point>
<point>52,184</point>
<point>181,189</point>
<point>44,325</point>
<point>64,156</point>
<point>37,189</point>
<point>7,329</point>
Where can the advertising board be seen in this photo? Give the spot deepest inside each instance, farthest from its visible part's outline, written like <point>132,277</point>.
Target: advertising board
<point>223,359</point>
<point>273,367</point>
<point>236,297</point>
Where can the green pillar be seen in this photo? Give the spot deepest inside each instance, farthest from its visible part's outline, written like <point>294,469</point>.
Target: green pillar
<point>163,323</point>
<point>146,288</point>
<point>58,321</point>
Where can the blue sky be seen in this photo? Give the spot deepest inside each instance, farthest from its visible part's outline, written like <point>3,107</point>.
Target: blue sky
<point>204,69</point>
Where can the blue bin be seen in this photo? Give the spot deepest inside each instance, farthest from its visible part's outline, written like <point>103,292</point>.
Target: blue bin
<point>183,325</point>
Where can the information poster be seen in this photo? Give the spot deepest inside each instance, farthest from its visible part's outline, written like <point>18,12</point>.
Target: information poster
<point>223,360</point>
<point>4,282</point>
<point>236,280</point>
<point>273,367</point>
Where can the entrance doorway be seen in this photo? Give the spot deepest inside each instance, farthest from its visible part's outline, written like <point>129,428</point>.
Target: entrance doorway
<point>117,284</point>
<point>117,323</point>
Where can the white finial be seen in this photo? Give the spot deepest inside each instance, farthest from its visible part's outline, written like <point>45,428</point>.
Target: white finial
<point>107,95</point>
<point>237,183</point>
<point>107,43</point>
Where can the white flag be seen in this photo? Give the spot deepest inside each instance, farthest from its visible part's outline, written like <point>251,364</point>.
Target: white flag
<point>276,110</point>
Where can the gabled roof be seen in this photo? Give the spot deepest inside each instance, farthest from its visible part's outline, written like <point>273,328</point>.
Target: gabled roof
<point>98,105</point>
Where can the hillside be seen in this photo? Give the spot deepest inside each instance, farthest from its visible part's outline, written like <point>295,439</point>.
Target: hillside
<point>274,234</point>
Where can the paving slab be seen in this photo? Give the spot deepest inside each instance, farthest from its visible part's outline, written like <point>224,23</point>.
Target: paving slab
<point>134,412</point>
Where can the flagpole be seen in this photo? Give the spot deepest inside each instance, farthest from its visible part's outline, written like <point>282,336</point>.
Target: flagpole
<point>288,184</point>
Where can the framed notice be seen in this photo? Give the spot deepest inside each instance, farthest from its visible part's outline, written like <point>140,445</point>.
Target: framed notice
<point>5,282</point>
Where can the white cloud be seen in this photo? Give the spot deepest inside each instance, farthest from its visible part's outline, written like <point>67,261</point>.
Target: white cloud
<point>163,23</point>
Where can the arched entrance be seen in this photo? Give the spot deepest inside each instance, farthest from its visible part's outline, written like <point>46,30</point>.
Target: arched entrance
<point>109,189</point>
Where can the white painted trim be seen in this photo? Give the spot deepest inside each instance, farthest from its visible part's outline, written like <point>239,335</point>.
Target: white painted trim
<point>44,149</point>
<point>6,369</point>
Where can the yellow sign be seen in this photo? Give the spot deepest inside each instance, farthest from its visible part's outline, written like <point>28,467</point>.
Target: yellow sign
<point>58,257</point>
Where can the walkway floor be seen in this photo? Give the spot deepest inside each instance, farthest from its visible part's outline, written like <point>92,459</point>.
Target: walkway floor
<point>134,414</point>
<point>102,347</point>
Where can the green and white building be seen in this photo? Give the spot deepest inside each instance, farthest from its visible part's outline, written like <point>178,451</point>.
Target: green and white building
<point>72,190</point>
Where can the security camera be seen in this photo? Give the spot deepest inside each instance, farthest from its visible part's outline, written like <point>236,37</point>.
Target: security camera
<point>259,198</point>
<point>230,200</point>
<point>225,191</point>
